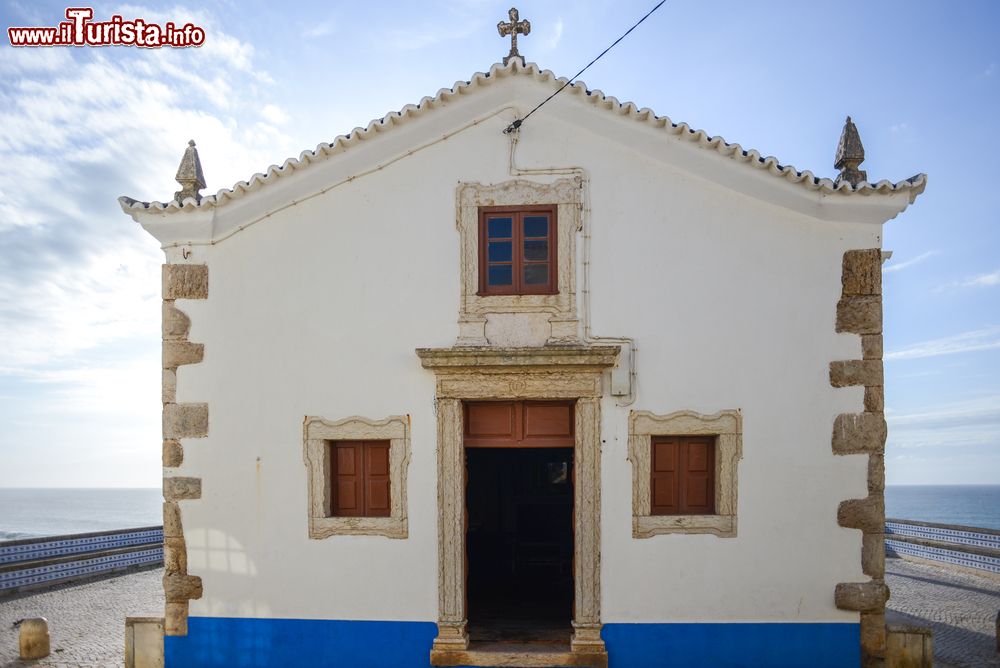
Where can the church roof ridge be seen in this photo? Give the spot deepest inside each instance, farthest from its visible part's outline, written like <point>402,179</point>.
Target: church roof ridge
<point>914,185</point>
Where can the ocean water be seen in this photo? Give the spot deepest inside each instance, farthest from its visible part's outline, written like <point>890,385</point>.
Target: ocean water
<point>970,505</point>
<point>30,513</point>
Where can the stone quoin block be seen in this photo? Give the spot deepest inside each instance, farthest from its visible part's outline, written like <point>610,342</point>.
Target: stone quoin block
<point>873,555</point>
<point>179,588</point>
<point>876,474</point>
<point>172,520</point>
<point>857,433</point>
<point>185,281</point>
<point>862,596</point>
<point>860,315</point>
<point>168,387</point>
<point>867,514</point>
<point>174,555</point>
<point>871,346</point>
<point>176,488</point>
<point>176,324</point>
<point>847,373</point>
<point>175,619</point>
<point>185,420</point>
<point>176,353</point>
<point>862,272</point>
<point>874,399</point>
<point>173,453</point>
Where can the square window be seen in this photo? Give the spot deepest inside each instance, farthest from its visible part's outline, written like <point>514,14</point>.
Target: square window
<point>682,475</point>
<point>360,479</point>
<point>356,470</point>
<point>685,467</point>
<point>517,250</point>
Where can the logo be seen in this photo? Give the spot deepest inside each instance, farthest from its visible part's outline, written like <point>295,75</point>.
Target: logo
<point>81,30</point>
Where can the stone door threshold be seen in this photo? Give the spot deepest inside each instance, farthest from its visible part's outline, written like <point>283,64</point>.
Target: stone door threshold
<point>524,655</point>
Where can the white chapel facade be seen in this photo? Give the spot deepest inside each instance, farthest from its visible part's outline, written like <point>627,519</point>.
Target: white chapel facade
<point>594,389</point>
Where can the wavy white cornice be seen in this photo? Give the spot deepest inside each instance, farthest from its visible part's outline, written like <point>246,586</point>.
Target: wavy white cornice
<point>751,157</point>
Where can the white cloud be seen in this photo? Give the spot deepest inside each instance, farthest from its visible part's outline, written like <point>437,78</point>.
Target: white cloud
<point>108,296</point>
<point>430,33</point>
<point>319,30</point>
<point>274,114</point>
<point>26,62</point>
<point>899,266</point>
<point>220,47</point>
<point>971,423</point>
<point>899,127</point>
<point>79,281</point>
<point>29,15</point>
<point>980,339</point>
<point>131,387</point>
<point>985,279</point>
<point>552,40</point>
<point>984,410</point>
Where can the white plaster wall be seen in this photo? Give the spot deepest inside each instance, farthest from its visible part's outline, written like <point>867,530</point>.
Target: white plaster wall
<point>317,310</point>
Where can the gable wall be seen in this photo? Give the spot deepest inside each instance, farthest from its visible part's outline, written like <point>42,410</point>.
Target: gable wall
<point>317,311</point>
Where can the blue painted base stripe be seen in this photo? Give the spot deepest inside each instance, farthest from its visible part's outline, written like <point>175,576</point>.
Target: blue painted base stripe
<point>749,645</point>
<point>235,643</point>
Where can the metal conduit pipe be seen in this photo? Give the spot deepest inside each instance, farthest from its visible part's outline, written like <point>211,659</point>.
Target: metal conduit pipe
<point>584,177</point>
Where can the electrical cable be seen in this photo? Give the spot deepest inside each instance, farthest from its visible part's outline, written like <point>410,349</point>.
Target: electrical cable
<point>517,123</point>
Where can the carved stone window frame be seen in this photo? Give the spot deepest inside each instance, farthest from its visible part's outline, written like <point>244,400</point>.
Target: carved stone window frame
<point>567,196</point>
<point>477,374</point>
<point>727,428</point>
<point>317,433</point>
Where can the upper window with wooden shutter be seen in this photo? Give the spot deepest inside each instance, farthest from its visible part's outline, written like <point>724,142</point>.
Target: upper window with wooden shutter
<point>517,250</point>
<point>517,256</point>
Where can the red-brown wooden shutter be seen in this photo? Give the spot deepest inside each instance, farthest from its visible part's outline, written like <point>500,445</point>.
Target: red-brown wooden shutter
<point>376,479</point>
<point>360,479</point>
<point>665,485</point>
<point>698,487</point>
<point>682,475</point>
<point>348,483</point>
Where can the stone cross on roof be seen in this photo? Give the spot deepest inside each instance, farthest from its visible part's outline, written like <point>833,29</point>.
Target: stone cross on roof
<point>850,155</point>
<point>512,28</point>
<point>189,175</point>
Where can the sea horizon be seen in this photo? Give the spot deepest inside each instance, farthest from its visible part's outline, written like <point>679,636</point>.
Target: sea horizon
<point>33,512</point>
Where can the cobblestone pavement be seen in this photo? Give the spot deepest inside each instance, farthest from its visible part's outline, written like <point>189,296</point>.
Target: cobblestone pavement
<point>86,621</point>
<point>960,607</point>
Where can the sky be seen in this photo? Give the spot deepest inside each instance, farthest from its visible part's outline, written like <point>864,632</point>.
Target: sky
<point>80,126</point>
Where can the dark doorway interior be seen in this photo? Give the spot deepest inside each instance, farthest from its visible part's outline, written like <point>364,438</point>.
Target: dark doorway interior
<point>520,544</point>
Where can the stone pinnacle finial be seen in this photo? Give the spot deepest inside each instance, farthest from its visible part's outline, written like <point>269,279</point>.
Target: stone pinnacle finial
<point>850,155</point>
<point>513,28</point>
<point>189,175</point>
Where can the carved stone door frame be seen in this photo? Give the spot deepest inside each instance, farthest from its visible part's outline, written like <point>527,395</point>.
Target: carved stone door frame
<point>476,374</point>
